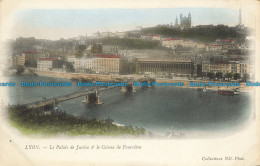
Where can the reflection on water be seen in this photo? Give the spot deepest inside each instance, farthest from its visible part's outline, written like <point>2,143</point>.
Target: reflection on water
<point>156,109</point>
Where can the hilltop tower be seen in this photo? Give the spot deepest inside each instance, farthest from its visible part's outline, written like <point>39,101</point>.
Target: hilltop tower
<point>189,18</point>
<point>185,22</point>
<point>239,19</point>
<point>176,22</point>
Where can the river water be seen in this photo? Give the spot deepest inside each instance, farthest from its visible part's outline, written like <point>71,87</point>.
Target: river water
<point>158,109</point>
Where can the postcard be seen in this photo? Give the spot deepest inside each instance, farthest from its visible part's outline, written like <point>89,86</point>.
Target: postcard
<point>129,83</point>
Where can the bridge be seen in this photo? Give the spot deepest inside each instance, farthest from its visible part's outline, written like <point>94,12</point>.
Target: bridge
<point>92,96</point>
<point>70,96</point>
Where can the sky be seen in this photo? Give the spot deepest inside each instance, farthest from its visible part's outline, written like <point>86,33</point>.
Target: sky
<point>55,24</point>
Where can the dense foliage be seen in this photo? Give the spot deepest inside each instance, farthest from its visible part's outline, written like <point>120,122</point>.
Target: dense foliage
<point>36,121</point>
<point>130,43</point>
<point>21,45</point>
<point>206,33</point>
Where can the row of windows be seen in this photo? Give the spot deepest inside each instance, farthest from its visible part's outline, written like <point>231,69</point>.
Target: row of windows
<point>165,65</point>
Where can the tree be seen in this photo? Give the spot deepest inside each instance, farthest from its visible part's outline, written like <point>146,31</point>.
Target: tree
<point>204,75</point>
<point>69,66</point>
<point>208,33</point>
<point>229,75</point>
<point>246,77</point>
<point>236,76</point>
<point>211,75</point>
<point>79,49</point>
<point>219,75</point>
<point>19,69</point>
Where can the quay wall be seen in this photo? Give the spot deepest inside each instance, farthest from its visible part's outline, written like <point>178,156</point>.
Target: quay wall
<point>98,77</point>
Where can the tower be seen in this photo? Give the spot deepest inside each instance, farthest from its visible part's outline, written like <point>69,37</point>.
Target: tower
<point>189,20</point>
<point>176,22</point>
<point>181,20</point>
<point>239,19</point>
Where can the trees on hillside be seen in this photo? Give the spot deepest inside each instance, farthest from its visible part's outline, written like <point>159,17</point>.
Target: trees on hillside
<point>206,33</point>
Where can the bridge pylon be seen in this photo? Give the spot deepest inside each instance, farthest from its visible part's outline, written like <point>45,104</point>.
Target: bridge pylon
<point>124,89</point>
<point>87,99</point>
<point>99,100</point>
<point>133,87</point>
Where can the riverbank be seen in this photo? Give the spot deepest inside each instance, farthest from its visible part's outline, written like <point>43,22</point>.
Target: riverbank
<point>49,123</point>
<point>242,87</point>
<point>112,78</point>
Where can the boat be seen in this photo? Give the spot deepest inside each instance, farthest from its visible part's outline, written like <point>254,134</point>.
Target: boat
<point>228,92</point>
<point>205,89</point>
<point>236,92</point>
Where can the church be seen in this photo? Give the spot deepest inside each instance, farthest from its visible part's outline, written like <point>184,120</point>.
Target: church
<point>185,22</point>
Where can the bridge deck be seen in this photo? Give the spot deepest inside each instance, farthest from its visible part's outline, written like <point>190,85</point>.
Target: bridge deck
<point>70,96</point>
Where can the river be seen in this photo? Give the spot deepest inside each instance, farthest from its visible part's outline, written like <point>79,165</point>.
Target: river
<point>158,109</point>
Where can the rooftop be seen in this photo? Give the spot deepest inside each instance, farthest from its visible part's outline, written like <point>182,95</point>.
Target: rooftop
<point>107,56</point>
<point>48,59</point>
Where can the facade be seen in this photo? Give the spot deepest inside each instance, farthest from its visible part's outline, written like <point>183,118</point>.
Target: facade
<point>110,64</point>
<point>200,46</point>
<point>110,49</point>
<point>223,45</point>
<point>241,67</point>
<point>151,37</point>
<point>228,44</point>
<point>31,58</point>
<point>71,59</point>
<point>18,60</point>
<point>171,42</point>
<point>188,43</point>
<point>175,66</point>
<point>47,64</point>
<point>215,47</point>
<point>118,34</point>
<point>101,63</point>
<point>84,65</point>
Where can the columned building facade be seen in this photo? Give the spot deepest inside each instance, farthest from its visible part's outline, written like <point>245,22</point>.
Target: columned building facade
<point>175,66</point>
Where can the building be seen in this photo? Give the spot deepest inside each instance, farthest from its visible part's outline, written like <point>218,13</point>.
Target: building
<point>71,59</point>
<point>118,34</point>
<point>31,58</point>
<point>205,66</point>
<point>101,64</point>
<point>200,46</point>
<point>215,47</point>
<point>185,22</point>
<point>174,66</point>
<point>171,42</point>
<point>47,64</point>
<point>241,67</point>
<point>84,65</point>
<point>110,49</point>
<point>18,60</point>
<point>109,64</point>
<point>151,37</point>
